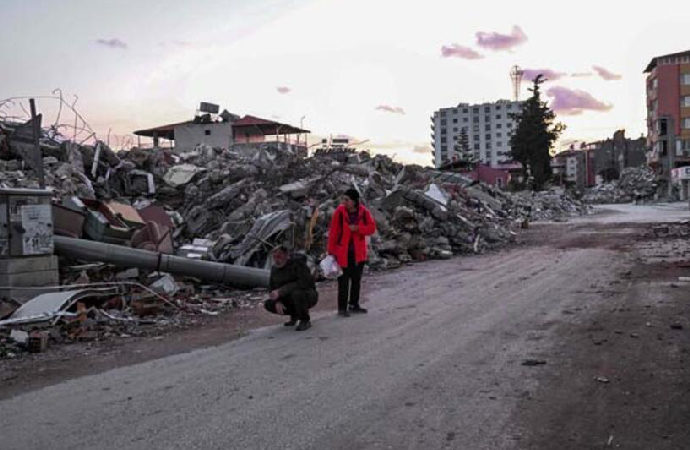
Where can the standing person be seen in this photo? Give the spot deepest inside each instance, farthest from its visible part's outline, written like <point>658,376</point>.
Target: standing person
<point>293,290</point>
<point>350,225</point>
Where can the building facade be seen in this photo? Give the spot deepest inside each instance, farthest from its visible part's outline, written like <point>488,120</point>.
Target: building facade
<point>613,155</point>
<point>668,113</point>
<point>488,127</point>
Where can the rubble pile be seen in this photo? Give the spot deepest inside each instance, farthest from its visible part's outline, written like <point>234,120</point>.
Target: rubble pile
<point>635,183</point>
<point>233,205</point>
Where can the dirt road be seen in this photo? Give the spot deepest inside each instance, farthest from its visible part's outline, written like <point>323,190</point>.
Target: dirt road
<point>577,338</point>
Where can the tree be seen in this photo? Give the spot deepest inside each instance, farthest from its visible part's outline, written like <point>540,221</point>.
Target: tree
<point>534,136</point>
<point>462,149</point>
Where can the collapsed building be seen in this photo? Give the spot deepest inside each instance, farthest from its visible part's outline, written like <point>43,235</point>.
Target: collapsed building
<point>123,219</point>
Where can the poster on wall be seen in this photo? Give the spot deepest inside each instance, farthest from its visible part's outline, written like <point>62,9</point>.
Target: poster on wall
<point>38,230</point>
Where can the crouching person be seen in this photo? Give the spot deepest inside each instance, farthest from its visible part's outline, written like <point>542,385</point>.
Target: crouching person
<point>293,290</point>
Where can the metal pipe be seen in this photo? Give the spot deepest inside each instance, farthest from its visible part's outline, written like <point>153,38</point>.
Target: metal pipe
<point>144,259</point>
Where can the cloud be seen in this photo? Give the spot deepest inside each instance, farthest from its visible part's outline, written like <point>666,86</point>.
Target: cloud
<point>112,43</point>
<point>498,41</point>
<point>283,89</point>
<point>551,75</point>
<point>605,74</point>
<point>422,149</point>
<point>573,102</point>
<point>390,109</point>
<point>458,51</point>
<point>581,74</point>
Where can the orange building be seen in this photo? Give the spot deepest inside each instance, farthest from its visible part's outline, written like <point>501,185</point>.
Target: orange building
<point>668,112</point>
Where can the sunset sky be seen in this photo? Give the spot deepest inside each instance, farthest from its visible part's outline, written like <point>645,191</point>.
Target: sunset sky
<point>368,69</point>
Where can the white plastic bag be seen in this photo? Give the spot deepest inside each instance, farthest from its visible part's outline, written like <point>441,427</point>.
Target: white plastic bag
<point>330,268</point>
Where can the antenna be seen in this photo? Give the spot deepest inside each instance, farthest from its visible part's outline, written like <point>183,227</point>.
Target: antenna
<point>516,77</point>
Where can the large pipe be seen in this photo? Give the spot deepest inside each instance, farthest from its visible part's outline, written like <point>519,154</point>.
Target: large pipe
<point>144,259</point>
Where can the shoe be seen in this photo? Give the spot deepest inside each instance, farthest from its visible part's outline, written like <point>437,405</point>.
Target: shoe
<point>358,310</point>
<point>344,313</point>
<point>291,323</point>
<point>303,325</point>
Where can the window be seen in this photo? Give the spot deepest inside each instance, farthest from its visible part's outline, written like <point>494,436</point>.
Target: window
<point>443,113</point>
<point>685,101</point>
<point>498,116</point>
<point>488,145</point>
<point>465,119</point>
<point>443,131</point>
<point>444,148</point>
<point>686,123</point>
<point>455,120</point>
<point>475,109</point>
<point>207,132</point>
<point>488,137</point>
<point>475,138</point>
<point>455,129</point>
<point>487,108</point>
<point>465,110</point>
<point>487,127</point>
<point>499,135</point>
<point>499,144</point>
<point>498,125</point>
<point>476,146</point>
<point>443,121</point>
<point>475,127</point>
<point>475,119</point>
<point>443,140</point>
<point>686,79</point>
<point>510,125</point>
<point>487,118</point>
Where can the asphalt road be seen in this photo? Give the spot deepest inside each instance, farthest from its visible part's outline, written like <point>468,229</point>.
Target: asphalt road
<point>437,363</point>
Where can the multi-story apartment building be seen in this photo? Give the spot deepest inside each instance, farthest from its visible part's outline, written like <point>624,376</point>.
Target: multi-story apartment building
<point>668,112</point>
<point>488,127</point>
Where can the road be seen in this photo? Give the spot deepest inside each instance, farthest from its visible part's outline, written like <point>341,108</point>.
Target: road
<point>442,360</point>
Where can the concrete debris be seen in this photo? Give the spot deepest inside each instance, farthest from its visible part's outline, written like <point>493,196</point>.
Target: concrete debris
<point>635,184</point>
<point>234,205</point>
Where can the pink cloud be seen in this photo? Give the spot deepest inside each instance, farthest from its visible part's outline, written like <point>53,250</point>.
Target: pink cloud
<point>390,109</point>
<point>581,75</point>
<point>605,74</point>
<point>571,102</point>
<point>498,41</point>
<point>551,75</point>
<point>283,89</point>
<point>458,51</point>
<point>112,43</point>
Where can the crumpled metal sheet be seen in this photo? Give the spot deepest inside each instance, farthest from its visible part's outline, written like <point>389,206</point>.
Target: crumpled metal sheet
<point>264,229</point>
<point>50,305</point>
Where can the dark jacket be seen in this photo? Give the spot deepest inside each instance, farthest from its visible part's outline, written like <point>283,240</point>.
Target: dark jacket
<point>294,275</point>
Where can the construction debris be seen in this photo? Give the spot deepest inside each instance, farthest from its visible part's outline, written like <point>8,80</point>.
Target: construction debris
<point>635,184</point>
<point>199,215</point>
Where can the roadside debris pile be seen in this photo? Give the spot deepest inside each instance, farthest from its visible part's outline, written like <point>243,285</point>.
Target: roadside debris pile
<point>105,310</point>
<point>233,205</point>
<point>549,205</point>
<point>635,183</point>
<point>230,206</point>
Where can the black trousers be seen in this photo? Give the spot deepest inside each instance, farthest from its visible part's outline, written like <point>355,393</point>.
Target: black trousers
<point>349,283</point>
<point>296,304</point>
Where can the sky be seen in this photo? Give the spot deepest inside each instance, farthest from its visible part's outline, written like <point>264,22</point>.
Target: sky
<point>374,70</point>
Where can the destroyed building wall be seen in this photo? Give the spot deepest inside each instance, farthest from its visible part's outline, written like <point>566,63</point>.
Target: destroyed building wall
<point>189,135</point>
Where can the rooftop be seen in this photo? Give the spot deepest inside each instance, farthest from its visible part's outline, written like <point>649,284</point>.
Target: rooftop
<point>247,125</point>
<point>653,63</point>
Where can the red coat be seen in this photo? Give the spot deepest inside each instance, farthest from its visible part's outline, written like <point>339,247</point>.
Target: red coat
<point>339,235</point>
